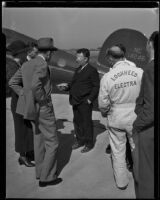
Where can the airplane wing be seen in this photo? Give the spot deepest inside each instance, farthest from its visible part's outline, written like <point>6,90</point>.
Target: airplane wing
<point>12,35</point>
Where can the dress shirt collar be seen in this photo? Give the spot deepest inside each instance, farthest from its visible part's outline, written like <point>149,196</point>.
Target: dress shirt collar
<point>152,59</point>
<point>28,57</point>
<point>84,66</point>
<point>40,55</point>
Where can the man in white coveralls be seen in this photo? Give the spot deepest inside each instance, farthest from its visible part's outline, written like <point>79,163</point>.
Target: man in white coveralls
<point>119,89</point>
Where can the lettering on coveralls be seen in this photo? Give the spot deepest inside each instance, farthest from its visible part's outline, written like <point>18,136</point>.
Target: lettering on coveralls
<point>123,73</point>
<point>125,84</point>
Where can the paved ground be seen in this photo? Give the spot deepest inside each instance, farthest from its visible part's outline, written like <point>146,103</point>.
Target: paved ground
<point>88,175</point>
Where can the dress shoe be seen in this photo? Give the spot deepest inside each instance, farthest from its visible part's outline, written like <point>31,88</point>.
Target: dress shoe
<point>108,149</point>
<point>30,155</point>
<point>25,161</point>
<point>54,182</point>
<point>76,145</point>
<point>86,149</point>
<point>123,188</point>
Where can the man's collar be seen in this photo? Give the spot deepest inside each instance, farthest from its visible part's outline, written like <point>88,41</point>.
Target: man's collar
<point>28,57</point>
<point>9,56</point>
<point>84,66</point>
<point>117,63</point>
<point>152,59</point>
<point>40,55</point>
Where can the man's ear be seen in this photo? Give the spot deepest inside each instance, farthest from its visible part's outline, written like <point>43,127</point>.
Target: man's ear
<point>48,53</point>
<point>87,59</point>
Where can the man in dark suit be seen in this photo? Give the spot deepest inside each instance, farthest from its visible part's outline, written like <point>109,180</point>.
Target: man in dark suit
<point>35,104</point>
<point>143,129</point>
<point>83,90</point>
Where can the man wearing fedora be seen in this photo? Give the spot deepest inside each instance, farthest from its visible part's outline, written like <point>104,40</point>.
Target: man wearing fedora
<point>36,105</point>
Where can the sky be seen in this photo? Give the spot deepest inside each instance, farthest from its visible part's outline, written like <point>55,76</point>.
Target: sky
<point>79,27</point>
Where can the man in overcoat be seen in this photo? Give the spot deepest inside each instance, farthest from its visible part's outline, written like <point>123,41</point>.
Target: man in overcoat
<point>15,56</point>
<point>36,105</point>
<point>143,128</point>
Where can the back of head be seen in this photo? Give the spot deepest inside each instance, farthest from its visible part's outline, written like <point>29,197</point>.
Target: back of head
<point>122,47</point>
<point>18,49</point>
<point>154,39</point>
<point>117,51</point>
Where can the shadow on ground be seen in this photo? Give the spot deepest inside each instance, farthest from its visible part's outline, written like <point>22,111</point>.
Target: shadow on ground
<point>65,146</point>
<point>98,129</point>
<point>66,141</point>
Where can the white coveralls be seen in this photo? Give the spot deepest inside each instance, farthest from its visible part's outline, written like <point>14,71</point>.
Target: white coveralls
<point>119,89</point>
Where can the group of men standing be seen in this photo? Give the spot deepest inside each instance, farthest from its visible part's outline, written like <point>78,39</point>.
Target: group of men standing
<point>117,93</point>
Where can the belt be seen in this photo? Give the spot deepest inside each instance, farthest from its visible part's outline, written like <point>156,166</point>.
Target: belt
<point>123,105</point>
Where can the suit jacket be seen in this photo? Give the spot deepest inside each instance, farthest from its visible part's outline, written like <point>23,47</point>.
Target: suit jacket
<point>145,102</point>
<point>36,90</point>
<point>11,68</point>
<point>84,85</point>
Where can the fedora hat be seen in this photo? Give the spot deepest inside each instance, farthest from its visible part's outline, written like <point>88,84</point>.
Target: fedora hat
<point>17,47</point>
<point>46,44</point>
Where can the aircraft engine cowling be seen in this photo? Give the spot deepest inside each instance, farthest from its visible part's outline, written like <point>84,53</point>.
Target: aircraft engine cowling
<point>135,43</point>
<point>62,59</point>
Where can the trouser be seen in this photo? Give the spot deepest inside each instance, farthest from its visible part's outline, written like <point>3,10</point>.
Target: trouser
<point>135,157</point>
<point>23,134</point>
<point>45,144</point>
<point>143,164</point>
<point>83,124</point>
<point>117,140</point>
<point>128,153</point>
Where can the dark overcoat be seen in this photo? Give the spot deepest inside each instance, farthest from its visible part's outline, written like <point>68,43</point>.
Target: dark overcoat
<point>84,85</point>
<point>143,134</point>
<point>22,128</point>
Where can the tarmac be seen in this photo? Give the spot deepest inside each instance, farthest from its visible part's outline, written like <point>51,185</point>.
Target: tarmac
<point>85,175</point>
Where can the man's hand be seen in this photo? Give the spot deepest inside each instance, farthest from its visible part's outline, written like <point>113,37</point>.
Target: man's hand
<point>104,114</point>
<point>88,101</point>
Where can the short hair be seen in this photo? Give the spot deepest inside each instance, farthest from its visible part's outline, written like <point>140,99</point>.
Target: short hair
<point>43,51</point>
<point>85,52</point>
<point>116,51</point>
<point>154,39</point>
<point>122,47</point>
